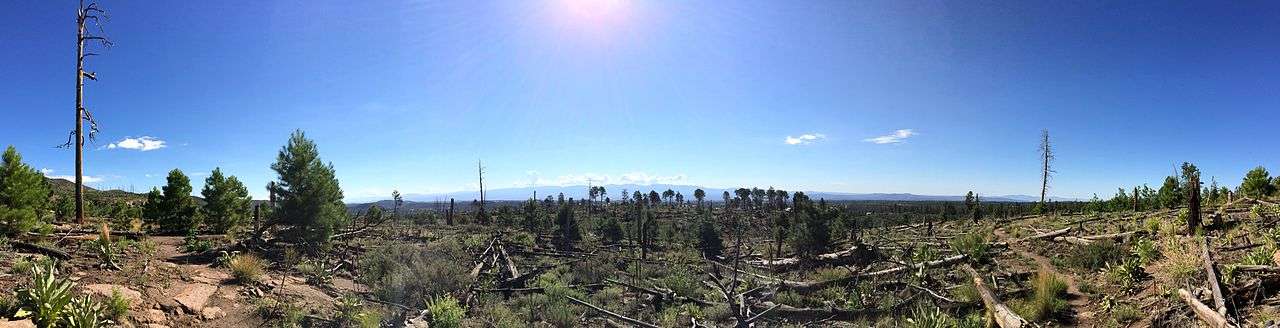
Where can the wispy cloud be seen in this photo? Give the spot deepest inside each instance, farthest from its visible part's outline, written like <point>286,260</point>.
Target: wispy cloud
<point>805,139</point>
<point>87,179</point>
<point>897,137</point>
<point>535,178</point>
<point>143,143</point>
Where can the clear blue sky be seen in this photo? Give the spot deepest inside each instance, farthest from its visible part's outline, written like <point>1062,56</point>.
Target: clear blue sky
<point>408,94</point>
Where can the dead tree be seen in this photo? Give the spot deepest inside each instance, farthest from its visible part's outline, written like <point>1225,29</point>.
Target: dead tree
<point>1046,158</point>
<point>1193,202</point>
<point>84,14</point>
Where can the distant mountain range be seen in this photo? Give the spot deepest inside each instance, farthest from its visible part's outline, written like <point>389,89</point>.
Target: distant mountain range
<point>464,198</point>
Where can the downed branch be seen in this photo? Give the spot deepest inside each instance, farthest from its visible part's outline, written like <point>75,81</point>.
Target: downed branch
<point>1003,316</point>
<point>857,255</point>
<point>1209,316</point>
<point>611,314</point>
<point>46,250</point>
<point>808,286</point>
<point>1211,276</point>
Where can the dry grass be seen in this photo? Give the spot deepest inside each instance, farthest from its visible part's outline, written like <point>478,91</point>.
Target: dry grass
<point>1180,265</point>
<point>246,268</point>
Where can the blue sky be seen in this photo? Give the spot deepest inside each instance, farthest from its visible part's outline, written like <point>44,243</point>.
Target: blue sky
<point>409,94</point>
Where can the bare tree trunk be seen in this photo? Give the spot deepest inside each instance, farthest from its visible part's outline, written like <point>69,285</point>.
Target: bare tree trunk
<point>79,139</point>
<point>1046,156</point>
<point>1193,204</point>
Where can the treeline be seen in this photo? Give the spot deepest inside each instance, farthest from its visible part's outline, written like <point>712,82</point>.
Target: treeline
<point>1177,189</point>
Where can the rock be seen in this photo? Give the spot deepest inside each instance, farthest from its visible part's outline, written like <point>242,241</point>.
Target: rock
<point>212,313</point>
<point>25,323</point>
<point>105,290</point>
<point>154,325</point>
<point>155,316</point>
<point>193,297</point>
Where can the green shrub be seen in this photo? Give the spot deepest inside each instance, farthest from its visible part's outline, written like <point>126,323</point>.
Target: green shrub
<point>48,296</point>
<point>84,312</point>
<point>974,244</point>
<point>1046,298</point>
<point>445,312</point>
<point>929,317</point>
<point>1095,256</point>
<point>193,244</point>
<point>246,268</point>
<point>1126,313</point>
<point>1124,274</point>
<point>280,314</point>
<point>350,312</point>
<point>117,306</point>
<point>409,274</point>
<point>1145,250</point>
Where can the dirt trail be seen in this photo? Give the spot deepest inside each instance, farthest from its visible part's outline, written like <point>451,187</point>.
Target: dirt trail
<point>1078,301</point>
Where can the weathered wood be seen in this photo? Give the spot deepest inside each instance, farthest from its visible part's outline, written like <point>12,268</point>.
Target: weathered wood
<point>1119,235</point>
<point>858,255</point>
<point>611,314</point>
<point>1003,316</point>
<point>530,289</point>
<point>1209,316</point>
<point>1074,240</point>
<point>1258,268</point>
<point>1211,276</point>
<point>50,251</point>
<point>1046,235</point>
<point>808,286</point>
<point>511,265</point>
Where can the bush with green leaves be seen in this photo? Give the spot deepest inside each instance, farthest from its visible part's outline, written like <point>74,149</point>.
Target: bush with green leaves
<point>117,306</point>
<point>193,244</point>
<point>1145,250</point>
<point>924,316</point>
<point>281,314</point>
<point>84,312</point>
<point>445,312</point>
<point>172,208</point>
<point>227,201</point>
<point>47,297</point>
<point>308,197</point>
<point>410,274</point>
<point>975,244</point>
<point>24,195</point>
<point>349,311</point>
<point>1095,256</point>
<point>1257,183</point>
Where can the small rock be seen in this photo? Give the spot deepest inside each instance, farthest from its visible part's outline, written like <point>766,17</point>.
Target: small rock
<point>105,290</point>
<point>25,323</point>
<point>193,297</point>
<point>155,316</point>
<point>212,313</point>
<point>154,325</point>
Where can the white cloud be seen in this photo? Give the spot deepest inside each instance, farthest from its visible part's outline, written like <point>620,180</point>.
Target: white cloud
<point>804,139</point>
<point>897,137</point>
<point>534,178</point>
<point>87,179</point>
<point>143,143</point>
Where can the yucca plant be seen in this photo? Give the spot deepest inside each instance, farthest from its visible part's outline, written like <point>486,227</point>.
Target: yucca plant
<point>84,312</point>
<point>48,296</point>
<point>106,250</point>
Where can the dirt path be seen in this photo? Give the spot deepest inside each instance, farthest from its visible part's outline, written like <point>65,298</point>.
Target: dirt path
<point>1078,301</point>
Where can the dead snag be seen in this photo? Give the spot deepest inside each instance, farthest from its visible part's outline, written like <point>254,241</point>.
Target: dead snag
<point>611,314</point>
<point>1211,276</point>
<point>1003,316</point>
<point>1209,316</point>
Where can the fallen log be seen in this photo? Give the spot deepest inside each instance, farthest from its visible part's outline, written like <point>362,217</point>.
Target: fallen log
<point>856,255</point>
<point>1211,276</point>
<point>1046,235</point>
<point>1258,268</point>
<point>1209,316</point>
<point>808,286</point>
<point>531,289</point>
<point>1074,240</point>
<point>46,250</point>
<point>1120,235</point>
<point>611,314</point>
<point>1002,315</point>
<point>511,265</point>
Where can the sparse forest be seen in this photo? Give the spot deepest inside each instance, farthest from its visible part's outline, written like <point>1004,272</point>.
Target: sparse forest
<point>1188,250</point>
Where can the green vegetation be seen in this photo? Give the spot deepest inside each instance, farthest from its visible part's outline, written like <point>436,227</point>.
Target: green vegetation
<point>309,199</point>
<point>23,195</point>
<point>171,208</point>
<point>1095,256</point>
<point>246,268</point>
<point>445,312</point>
<point>226,202</point>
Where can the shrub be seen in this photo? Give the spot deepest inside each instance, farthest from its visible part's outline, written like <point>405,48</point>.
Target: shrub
<point>974,244</point>
<point>47,297</point>
<point>1124,274</point>
<point>193,244</point>
<point>445,312</point>
<point>117,306</point>
<point>1179,267</point>
<point>280,314</point>
<point>1046,298</point>
<point>246,268</point>
<point>1095,256</point>
<point>350,312</point>
<point>84,312</point>
<point>106,250</point>
<point>1145,250</point>
<point>408,274</point>
<point>929,317</point>
<point>501,316</point>
<point>1126,313</point>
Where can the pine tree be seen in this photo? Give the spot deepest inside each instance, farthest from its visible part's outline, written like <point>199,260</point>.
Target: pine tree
<point>1257,183</point>
<point>1170,194</point>
<point>226,202</point>
<point>24,194</point>
<point>171,207</point>
<point>308,195</point>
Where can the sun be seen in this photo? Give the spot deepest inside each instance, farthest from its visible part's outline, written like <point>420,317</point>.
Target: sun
<point>596,15</point>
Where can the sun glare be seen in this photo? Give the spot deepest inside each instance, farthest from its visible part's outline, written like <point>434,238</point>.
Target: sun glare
<point>593,15</point>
